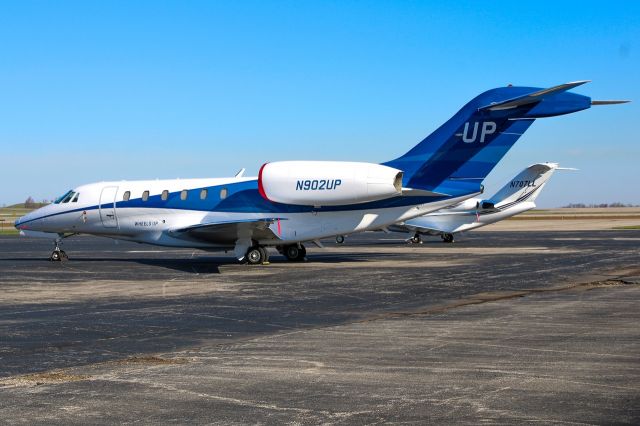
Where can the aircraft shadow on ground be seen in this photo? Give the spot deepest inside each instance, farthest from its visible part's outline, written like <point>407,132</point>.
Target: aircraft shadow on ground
<point>209,265</point>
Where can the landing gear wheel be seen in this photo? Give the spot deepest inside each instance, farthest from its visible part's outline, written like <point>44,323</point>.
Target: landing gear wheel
<point>447,238</point>
<point>340,239</point>
<point>265,254</point>
<point>416,239</point>
<point>292,252</point>
<point>295,253</point>
<point>58,256</point>
<point>255,255</point>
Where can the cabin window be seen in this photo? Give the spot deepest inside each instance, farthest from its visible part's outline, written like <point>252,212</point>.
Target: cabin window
<point>203,194</point>
<point>165,195</point>
<point>126,196</point>
<point>75,199</point>
<point>223,193</point>
<point>183,195</point>
<point>145,195</point>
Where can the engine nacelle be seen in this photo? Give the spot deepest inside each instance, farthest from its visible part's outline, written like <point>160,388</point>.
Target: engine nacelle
<point>328,183</point>
<point>466,205</point>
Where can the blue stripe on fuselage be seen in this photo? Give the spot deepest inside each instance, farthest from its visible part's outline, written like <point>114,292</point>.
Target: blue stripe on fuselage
<point>243,197</point>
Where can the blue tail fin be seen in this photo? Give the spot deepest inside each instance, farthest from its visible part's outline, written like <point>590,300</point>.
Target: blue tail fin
<point>456,157</point>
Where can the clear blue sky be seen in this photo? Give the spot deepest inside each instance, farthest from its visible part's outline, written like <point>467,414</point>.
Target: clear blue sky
<point>93,91</point>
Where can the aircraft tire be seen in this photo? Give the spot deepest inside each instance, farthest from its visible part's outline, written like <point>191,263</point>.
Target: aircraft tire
<point>292,252</point>
<point>447,238</point>
<point>295,253</point>
<point>255,255</point>
<point>265,254</point>
<point>55,256</point>
<point>340,239</point>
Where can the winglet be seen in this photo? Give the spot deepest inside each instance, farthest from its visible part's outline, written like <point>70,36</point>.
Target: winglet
<point>532,97</point>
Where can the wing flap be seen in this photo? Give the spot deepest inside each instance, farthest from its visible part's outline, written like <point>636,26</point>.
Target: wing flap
<point>228,232</point>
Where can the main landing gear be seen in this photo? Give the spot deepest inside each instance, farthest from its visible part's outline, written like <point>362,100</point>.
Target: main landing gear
<point>257,255</point>
<point>447,238</point>
<point>58,255</point>
<point>293,252</point>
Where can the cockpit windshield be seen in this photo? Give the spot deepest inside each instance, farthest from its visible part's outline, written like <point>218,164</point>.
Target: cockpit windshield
<point>65,198</point>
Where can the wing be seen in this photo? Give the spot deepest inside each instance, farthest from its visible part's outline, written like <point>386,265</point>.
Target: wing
<point>409,227</point>
<point>228,232</point>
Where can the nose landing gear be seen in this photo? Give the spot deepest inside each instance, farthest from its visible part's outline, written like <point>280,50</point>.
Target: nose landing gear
<point>58,255</point>
<point>416,239</point>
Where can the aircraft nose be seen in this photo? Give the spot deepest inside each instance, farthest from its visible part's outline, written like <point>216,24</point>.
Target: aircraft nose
<point>18,222</point>
<point>21,223</point>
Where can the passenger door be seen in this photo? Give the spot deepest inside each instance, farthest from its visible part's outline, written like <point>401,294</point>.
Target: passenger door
<point>108,207</point>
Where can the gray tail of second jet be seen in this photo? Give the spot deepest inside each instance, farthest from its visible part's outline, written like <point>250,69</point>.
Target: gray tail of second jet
<point>526,186</point>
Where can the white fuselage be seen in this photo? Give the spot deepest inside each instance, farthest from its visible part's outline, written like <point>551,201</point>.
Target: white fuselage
<point>119,210</point>
<point>451,222</point>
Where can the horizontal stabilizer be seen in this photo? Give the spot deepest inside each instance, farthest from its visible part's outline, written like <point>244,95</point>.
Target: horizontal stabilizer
<point>608,102</point>
<point>532,97</point>
<point>410,192</point>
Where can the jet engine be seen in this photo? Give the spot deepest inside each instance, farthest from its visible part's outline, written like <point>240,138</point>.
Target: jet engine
<point>328,183</point>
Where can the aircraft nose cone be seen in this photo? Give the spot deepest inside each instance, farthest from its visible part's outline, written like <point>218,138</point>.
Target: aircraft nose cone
<point>19,221</point>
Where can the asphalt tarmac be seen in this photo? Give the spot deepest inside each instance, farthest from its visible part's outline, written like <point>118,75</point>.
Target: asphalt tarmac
<point>499,327</point>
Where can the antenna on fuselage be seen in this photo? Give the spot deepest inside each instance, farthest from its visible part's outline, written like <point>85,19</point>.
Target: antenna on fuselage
<point>240,173</point>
